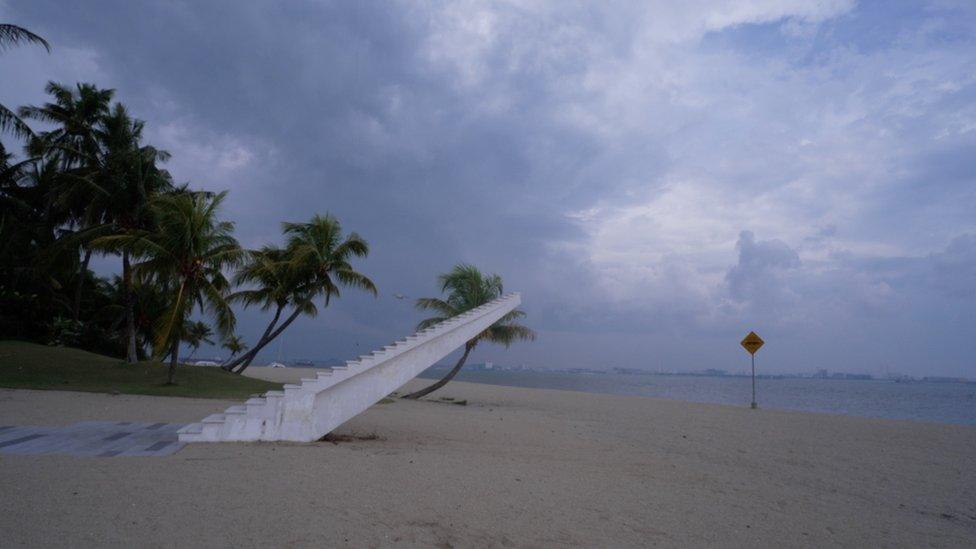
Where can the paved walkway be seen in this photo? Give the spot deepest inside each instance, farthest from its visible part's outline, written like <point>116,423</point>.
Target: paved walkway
<point>93,438</point>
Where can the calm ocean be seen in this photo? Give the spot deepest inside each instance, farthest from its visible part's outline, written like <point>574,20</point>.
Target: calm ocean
<point>939,402</point>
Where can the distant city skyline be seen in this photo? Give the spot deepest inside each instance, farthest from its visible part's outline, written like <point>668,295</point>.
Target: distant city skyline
<point>657,179</point>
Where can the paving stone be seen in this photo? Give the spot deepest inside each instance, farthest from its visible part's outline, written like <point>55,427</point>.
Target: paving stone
<point>93,438</point>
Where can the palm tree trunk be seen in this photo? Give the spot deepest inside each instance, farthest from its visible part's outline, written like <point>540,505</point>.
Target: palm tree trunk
<point>130,317</point>
<point>234,362</point>
<point>173,359</point>
<point>254,352</point>
<point>82,271</point>
<point>450,375</point>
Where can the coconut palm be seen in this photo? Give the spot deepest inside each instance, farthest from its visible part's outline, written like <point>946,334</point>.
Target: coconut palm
<point>187,249</point>
<point>124,178</point>
<point>467,288</point>
<point>76,114</point>
<point>12,35</point>
<point>273,286</point>
<point>196,334</point>
<point>314,264</point>
<point>32,222</point>
<point>234,344</point>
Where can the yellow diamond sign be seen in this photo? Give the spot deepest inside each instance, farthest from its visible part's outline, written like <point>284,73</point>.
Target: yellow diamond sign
<point>752,343</point>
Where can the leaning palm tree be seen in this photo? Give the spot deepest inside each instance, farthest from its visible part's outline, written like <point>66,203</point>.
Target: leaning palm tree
<point>273,284</point>
<point>12,35</point>
<point>188,249</point>
<point>469,288</point>
<point>314,264</point>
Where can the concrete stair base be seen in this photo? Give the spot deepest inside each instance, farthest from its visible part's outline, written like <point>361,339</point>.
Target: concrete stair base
<point>308,411</point>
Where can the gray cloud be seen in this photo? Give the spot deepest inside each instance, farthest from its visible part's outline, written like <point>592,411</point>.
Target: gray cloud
<point>654,177</point>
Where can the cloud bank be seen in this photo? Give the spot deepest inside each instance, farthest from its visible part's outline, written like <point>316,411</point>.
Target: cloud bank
<point>656,178</point>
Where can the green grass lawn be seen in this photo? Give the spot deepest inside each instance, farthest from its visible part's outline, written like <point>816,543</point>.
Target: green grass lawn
<point>31,366</point>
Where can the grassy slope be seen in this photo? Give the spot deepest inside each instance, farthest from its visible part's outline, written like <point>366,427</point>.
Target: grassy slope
<point>32,366</point>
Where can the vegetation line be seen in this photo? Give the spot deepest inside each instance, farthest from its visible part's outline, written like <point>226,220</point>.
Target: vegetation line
<point>91,185</point>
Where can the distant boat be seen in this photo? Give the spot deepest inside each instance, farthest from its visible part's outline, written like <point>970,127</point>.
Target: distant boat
<point>276,365</point>
<point>205,363</point>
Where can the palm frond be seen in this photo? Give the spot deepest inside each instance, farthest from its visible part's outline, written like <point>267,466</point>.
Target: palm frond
<point>467,288</point>
<point>353,279</point>
<point>9,121</point>
<point>13,35</point>
<point>438,305</point>
<point>433,321</point>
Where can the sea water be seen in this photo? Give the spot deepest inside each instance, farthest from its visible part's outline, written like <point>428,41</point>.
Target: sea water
<point>920,401</point>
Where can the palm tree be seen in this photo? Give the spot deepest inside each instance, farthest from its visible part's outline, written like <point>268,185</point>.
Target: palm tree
<point>124,179</point>
<point>76,114</point>
<point>196,334</point>
<point>314,264</point>
<point>188,249</point>
<point>234,344</point>
<point>467,289</point>
<point>273,287</point>
<point>12,35</point>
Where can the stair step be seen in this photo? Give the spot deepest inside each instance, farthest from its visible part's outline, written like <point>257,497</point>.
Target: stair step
<point>282,414</point>
<point>191,429</point>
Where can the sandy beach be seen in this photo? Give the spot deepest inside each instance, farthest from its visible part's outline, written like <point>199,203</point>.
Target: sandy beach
<point>514,467</point>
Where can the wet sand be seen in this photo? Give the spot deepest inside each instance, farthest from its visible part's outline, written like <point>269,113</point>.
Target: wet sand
<point>515,467</point>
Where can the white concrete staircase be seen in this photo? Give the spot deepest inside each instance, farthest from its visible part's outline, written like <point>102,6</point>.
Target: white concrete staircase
<point>329,397</point>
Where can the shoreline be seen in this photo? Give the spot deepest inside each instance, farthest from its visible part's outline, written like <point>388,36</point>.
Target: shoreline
<point>292,375</point>
<point>515,466</point>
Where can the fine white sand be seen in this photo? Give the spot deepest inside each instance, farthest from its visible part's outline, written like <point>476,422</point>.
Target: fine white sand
<point>515,467</point>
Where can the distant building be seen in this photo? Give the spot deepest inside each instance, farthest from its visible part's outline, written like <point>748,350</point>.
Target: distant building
<point>843,375</point>
<point>941,379</point>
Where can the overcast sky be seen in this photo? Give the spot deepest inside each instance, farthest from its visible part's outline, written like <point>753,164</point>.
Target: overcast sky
<point>656,178</point>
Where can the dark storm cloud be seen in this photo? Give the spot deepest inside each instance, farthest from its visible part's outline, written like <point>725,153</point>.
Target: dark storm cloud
<point>606,158</point>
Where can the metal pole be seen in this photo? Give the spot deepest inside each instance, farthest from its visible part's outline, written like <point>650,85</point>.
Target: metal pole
<point>754,405</point>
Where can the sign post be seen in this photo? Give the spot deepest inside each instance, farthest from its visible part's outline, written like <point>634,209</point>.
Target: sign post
<point>752,343</point>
